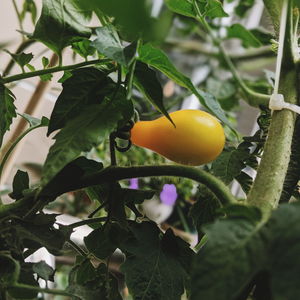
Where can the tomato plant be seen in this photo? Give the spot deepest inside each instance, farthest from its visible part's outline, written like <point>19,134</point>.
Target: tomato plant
<point>179,205</point>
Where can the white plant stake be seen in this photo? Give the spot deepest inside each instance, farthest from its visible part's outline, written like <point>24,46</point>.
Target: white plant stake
<point>277,100</point>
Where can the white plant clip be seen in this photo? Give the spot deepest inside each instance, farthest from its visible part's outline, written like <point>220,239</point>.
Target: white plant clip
<point>277,100</point>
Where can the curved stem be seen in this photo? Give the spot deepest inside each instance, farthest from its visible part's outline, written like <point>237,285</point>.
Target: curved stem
<point>41,290</point>
<point>196,174</point>
<point>53,70</point>
<point>115,173</point>
<point>253,98</point>
<point>12,147</point>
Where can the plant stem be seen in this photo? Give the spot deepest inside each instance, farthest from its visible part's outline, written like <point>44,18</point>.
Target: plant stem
<point>199,175</point>
<point>38,289</point>
<point>18,16</point>
<point>77,248</point>
<point>253,98</point>
<point>15,143</point>
<point>267,188</point>
<point>87,222</point>
<point>53,70</point>
<point>115,173</point>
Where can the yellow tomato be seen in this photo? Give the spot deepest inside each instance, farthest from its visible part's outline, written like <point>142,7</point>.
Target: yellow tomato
<point>198,137</point>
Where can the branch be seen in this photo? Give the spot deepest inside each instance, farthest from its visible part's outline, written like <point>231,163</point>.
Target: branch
<point>52,70</point>
<point>115,173</point>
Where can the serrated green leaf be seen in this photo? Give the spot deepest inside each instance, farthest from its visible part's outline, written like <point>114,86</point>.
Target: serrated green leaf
<point>60,24</point>
<point>230,163</point>
<point>240,32</point>
<point>245,181</point>
<point>20,183</point>
<point>159,60</point>
<point>213,9</point>
<point>240,250</point>
<point>7,110</point>
<point>21,59</point>
<point>182,7</point>
<point>154,269</point>
<point>109,44</point>
<point>35,122</point>
<point>85,87</point>
<point>90,128</point>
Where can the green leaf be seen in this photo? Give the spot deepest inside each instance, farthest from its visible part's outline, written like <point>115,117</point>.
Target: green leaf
<point>146,81</point>
<point>182,7</point>
<point>158,59</point>
<point>45,62</point>
<point>240,249</point>
<point>88,283</point>
<point>157,265</point>
<point>240,32</point>
<point>7,110</point>
<point>109,44</point>
<point>132,16</point>
<point>229,260</point>
<point>20,183</point>
<point>35,122</point>
<point>231,162</point>
<point>103,241</point>
<point>43,270</point>
<point>86,86</point>
<point>21,59</point>
<point>83,48</point>
<point>209,8</point>
<point>69,177</point>
<point>245,181</point>
<point>212,9</point>
<point>220,89</point>
<point>205,210</point>
<point>60,24</point>
<point>9,271</point>
<point>243,7</point>
<point>90,128</point>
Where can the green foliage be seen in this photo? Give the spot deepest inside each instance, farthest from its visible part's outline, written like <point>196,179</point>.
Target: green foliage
<point>157,266</point>
<point>60,24</point>
<point>7,110</point>
<point>239,248</point>
<point>20,183</point>
<point>10,270</point>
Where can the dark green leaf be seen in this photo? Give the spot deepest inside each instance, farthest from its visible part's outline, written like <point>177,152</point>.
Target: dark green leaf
<point>7,110</point>
<point>240,32</point>
<point>158,59</point>
<point>69,177</point>
<point>9,271</point>
<point>146,81</point>
<point>103,241</point>
<point>94,284</point>
<point>205,209</point>
<point>230,163</point>
<point>85,87</point>
<point>263,36</point>
<point>156,265</point>
<point>45,62</point>
<point>90,128</point>
<point>245,181</point>
<point>60,24</point>
<point>43,270</point>
<point>20,183</point>
<point>21,59</point>
<point>243,7</point>
<point>109,44</point>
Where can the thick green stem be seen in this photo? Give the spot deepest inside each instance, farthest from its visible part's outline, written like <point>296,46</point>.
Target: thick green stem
<point>53,70</point>
<point>115,173</point>
<point>266,190</point>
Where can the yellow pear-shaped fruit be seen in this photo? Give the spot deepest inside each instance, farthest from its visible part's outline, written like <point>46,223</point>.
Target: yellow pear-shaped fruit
<point>198,137</point>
